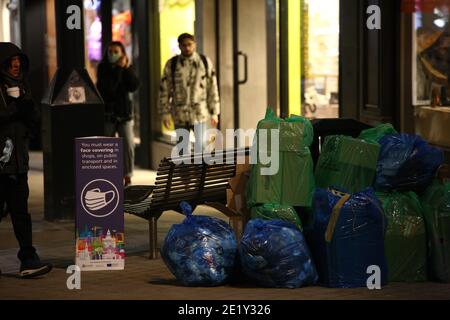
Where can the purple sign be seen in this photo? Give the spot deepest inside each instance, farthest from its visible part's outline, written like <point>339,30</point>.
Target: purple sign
<point>99,204</point>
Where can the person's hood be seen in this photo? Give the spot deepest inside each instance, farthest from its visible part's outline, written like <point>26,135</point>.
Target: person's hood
<point>9,50</point>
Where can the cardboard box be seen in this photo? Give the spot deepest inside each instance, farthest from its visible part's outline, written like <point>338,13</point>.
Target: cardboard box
<point>239,182</point>
<point>236,200</point>
<point>245,167</point>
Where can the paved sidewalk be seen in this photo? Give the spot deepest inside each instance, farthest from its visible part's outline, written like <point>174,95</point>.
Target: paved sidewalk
<point>144,278</point>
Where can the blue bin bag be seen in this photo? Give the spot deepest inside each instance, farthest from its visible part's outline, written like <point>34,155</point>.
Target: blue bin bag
<point>406,163</point>
<point>201,251</point>
<point>344,250</point>
<point>274,254</point>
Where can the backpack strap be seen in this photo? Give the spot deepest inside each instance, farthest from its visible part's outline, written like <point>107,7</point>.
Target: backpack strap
<point>173,68</point>
<point>205,62</point>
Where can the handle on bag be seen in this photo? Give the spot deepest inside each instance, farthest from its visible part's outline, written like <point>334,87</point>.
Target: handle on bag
<point>335,217</point>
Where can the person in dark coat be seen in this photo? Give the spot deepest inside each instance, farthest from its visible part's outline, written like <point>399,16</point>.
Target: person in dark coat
<point>18,115</point>
<point>116,79</point>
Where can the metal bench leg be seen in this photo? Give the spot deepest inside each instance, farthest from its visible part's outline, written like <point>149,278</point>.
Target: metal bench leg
<point>153,232</point>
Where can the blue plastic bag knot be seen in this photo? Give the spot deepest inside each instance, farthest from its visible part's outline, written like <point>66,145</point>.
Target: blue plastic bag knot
<point>186,208</point>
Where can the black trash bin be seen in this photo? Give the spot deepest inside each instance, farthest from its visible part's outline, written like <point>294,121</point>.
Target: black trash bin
<point>72,108</point>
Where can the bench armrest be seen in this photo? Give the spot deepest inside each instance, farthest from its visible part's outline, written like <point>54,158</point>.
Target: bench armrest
<point>136,194</point>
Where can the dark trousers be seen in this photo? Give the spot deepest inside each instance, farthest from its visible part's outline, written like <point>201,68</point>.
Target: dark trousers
<point>14,192</point>
<point>125,131</point>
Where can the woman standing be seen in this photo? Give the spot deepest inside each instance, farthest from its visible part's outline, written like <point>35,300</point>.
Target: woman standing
<point>116,80</point>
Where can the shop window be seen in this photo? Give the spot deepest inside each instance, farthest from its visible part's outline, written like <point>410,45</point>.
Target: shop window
<point>176,17</point>
<point>320,51</point>
<point>431,69</point>
<point>122,24</point>
<point>93,36</point>
<point>5,22</point>
<point>122,21</point>
<point>431,56</point>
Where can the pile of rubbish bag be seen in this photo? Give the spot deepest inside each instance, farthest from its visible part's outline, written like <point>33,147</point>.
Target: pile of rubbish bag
<point>201,251</point>
<point>373,201</point>
<point>274,254</point>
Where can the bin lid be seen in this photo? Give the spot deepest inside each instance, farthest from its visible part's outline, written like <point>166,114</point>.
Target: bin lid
<point>71,87</point>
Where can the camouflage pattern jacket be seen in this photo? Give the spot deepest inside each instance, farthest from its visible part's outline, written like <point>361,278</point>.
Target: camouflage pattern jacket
<point>189,93</point>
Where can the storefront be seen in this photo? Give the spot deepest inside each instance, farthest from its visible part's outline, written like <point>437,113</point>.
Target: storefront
<point>426,38</point>
<point>282,54</point>
<point>296,57</point>
<point>267,53</point>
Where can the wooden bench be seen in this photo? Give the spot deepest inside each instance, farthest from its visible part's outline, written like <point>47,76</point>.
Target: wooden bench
<point>200,181</point>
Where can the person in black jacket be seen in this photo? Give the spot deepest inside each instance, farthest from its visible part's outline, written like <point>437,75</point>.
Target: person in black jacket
<point>116,79</point>
<point>18,114</point>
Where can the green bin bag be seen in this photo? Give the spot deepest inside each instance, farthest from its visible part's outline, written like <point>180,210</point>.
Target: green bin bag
<point>375,134</point>
<point>276,211</point>
<point>436,205</point>
<point>293,184</point>
<point>405,240</point>
<point>264,188</point>
<point>296,133</point>
<point>346,163</point>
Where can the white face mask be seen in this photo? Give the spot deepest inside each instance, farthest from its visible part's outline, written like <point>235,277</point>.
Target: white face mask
<point>13,92</point>
<point>96,200</point>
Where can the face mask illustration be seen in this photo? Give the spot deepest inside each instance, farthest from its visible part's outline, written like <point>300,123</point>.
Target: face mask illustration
<point>96,200</point>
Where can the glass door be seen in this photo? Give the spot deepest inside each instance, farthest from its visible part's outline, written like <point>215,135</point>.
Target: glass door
<point>250,48</point>
<point>176,17</point>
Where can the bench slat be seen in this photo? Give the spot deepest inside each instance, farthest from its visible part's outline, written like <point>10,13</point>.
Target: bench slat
<point>192,182</point>
<point>221,154</point>
<point>193,193</point>
<point>223,162</point>
<point>195,169</point>
<point>187,194</point>
<point>208,185</point>
<point>208,176</point>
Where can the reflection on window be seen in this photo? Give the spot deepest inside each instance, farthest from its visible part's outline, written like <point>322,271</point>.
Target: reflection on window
<point>321,58</point>
<point>431,57</point>
<point>93,36</point>
<point>121,24</point>
<point>122,21</point>
<point>176,17</point>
